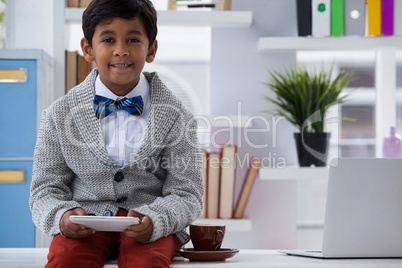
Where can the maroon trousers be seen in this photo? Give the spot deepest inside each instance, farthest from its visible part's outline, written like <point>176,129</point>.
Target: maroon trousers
<point>94,250</point>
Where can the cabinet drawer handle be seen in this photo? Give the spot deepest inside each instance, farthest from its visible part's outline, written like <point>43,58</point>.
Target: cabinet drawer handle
<point>19,75</point>
<point>12,176</point>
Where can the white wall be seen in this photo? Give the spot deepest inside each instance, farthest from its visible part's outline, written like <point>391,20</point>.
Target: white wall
<point>196,74</point>
<point>238,69</point>
<point>30,24</point>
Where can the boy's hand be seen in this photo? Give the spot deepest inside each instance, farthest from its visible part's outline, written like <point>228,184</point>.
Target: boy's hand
<point>72,230</point>
<point>141,232</point>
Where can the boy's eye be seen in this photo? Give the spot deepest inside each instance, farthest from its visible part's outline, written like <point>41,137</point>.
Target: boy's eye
<point>133,40</point>
<point>107,40</point>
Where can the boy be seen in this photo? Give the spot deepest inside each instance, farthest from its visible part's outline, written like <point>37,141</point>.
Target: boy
<point>139,156</point>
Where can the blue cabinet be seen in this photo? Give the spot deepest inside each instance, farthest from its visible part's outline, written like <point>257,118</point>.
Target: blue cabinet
<point>20,106</point>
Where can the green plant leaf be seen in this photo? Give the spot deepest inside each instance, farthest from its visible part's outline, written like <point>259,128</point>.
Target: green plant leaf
<point>299,94</point>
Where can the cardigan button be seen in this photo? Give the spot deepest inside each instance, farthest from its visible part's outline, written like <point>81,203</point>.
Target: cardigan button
<point>107,213</point>
<point>119,177</point>
<point>121,199</point>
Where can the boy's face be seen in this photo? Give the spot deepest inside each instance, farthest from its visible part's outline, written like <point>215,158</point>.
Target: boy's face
<point>120,48</point>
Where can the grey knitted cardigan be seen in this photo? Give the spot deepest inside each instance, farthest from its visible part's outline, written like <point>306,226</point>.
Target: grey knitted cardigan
<point>72,168</point>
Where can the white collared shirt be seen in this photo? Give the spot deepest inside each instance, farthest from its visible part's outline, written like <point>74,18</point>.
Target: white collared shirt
<point>123,133</point>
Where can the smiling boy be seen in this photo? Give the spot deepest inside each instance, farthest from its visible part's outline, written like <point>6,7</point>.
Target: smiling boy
<point>100,147</point>
<point>120,48</point>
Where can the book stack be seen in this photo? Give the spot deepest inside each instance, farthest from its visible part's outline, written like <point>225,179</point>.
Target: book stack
<point>199,4</point>
<point>220,177</point>
<point>348,17</point>
<point>77,69</point>
<point>78,3</point>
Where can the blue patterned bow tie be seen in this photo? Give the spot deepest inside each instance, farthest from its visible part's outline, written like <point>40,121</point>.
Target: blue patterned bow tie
<point>104,106</point>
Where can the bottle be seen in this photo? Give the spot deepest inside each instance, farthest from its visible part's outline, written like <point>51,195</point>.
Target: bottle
<point>392,145</point>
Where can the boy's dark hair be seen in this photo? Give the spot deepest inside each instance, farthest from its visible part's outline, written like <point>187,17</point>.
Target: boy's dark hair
<point>99,10</point>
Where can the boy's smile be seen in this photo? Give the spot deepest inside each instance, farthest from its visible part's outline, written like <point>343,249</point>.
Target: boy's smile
<point>120,48</point>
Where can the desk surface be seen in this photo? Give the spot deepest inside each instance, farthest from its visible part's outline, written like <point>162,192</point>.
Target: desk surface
<point>36,257</point>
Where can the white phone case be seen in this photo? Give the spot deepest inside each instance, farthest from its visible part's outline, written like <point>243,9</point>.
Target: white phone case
<point>321,17</point>
<point>105,223</point>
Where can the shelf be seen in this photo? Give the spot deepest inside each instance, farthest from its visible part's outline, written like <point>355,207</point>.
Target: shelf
<point>356,142</point>
<point>310,225</point>
<point>294,173</point>
<point>186,18</point>
<point>232,225</point>
<point>367,96</point>
<point>205,18</point>
<point>329,43</point>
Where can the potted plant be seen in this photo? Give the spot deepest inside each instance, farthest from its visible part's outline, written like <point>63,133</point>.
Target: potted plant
<point>303,98</point>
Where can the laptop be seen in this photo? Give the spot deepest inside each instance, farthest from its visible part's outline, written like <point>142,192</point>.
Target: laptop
<point>363,217</point>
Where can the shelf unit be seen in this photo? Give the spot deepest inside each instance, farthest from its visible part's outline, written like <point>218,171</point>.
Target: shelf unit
<point>328,43</point>
<point>186,18</point>
<point>385,50</point>
<point>308,179</point>
<point>183,18</point>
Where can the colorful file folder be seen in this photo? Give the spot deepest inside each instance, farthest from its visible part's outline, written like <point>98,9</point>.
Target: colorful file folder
<point>355,21</point>
<point>387,17</point>
<point>374,17</point>
<point>397,17</point>
<point>303,17</point>
<point>337,18</point>
<point>321,17</point>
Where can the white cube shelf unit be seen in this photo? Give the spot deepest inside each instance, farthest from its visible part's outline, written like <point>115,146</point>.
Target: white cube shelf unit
<point>385,48</point>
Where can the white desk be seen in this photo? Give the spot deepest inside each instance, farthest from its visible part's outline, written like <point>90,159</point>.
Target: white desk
<point>36,257</point>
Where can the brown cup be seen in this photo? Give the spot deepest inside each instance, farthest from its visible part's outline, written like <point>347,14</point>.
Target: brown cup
<point>207,237</point>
